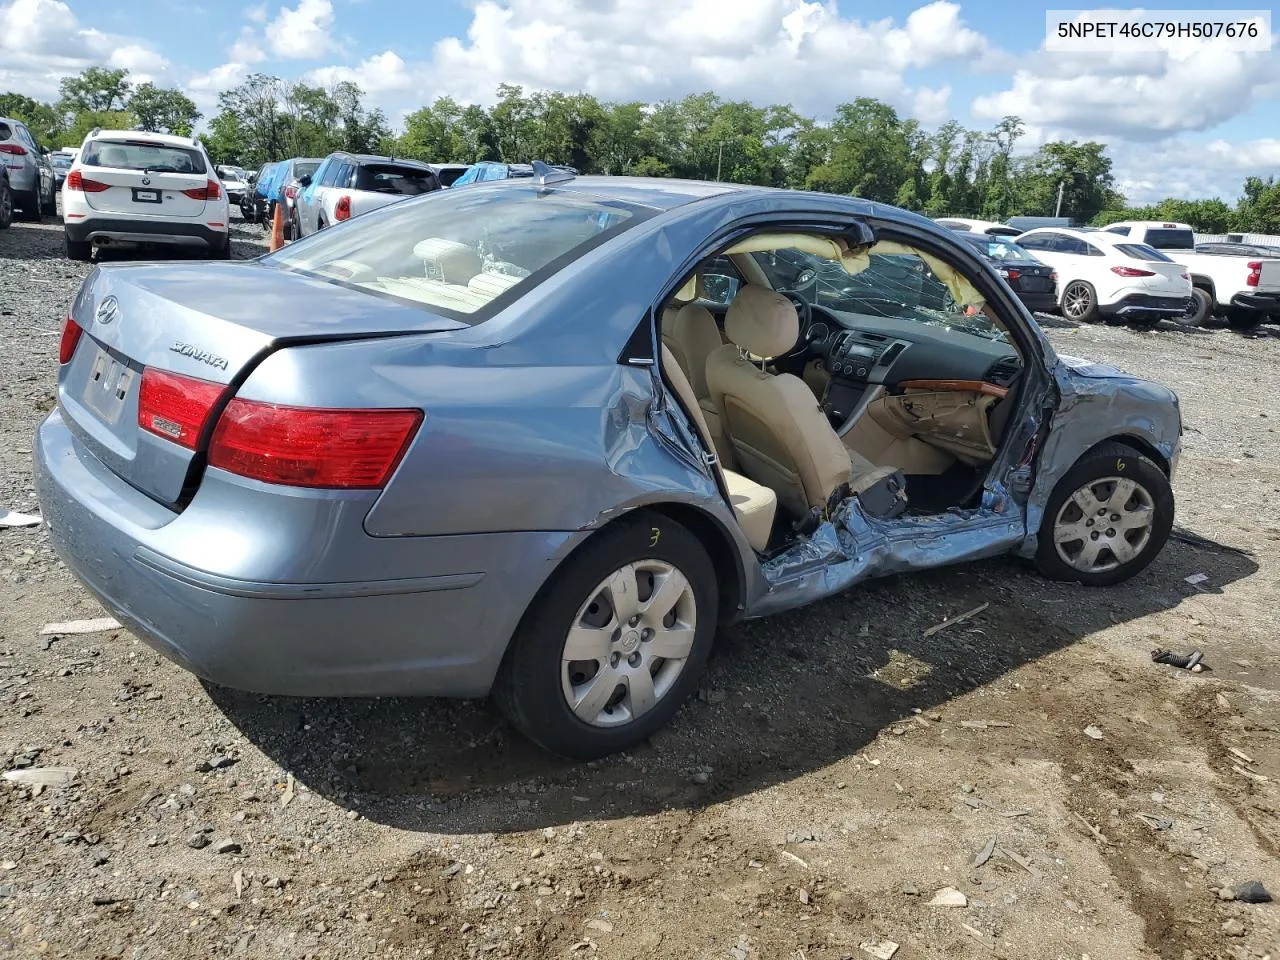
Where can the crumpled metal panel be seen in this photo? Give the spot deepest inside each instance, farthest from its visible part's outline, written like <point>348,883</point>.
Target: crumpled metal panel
<point>852,546</point>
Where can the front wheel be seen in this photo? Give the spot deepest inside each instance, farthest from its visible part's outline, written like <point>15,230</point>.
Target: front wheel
<point>614,643</point>
<point>1079,302</point>
<point>1106,519</point>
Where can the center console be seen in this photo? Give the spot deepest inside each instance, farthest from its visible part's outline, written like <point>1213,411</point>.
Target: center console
<point>856,361</point>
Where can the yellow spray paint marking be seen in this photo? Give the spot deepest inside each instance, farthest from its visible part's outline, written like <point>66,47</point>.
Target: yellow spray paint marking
<point>1120,465</point>
<point>653,539</point>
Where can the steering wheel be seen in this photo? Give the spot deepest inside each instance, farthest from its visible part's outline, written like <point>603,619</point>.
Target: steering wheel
<point>804,313</point>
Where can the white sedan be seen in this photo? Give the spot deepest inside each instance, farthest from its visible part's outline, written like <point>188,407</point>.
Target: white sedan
<point>1104,275</point>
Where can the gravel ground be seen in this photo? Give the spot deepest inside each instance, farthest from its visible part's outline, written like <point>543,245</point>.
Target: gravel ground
<point>837,770</point>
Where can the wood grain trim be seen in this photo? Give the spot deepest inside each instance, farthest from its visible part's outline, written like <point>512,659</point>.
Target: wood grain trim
<point>965,386</point>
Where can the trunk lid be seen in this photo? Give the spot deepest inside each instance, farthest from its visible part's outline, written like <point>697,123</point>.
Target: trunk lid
<point>146,178</point>
<point>1269,278</point>
<point>1168,277</point>
<point>208,321</point>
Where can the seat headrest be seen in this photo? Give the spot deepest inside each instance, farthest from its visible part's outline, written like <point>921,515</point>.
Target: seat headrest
<point>762,322</point>
<point>457,262</point>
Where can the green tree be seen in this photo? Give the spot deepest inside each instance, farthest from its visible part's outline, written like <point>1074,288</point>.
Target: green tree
<point>88,120</point>
<point>1259,209</point>
<point>96,89</point>
<point>163,110</point>
<point>1082,169</point>
<point>41,118</point>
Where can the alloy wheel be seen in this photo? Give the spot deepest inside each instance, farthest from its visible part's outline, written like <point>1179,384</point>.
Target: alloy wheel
<point>628,643</point>
<point>1077,301</point>
<point>1104,524</point>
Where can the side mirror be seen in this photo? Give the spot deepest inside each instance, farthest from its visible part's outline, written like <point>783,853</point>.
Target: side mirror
<point>304,180</point>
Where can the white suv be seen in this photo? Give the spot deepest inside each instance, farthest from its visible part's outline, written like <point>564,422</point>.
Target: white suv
<point>132,187</point>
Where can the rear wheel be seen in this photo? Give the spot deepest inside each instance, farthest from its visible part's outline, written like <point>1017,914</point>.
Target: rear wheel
<point>615,643</point>
<point>32,206</point>
<point>78,250</point>
<point>1106,519</point>
<point>1200,309</point>
<point>1079,302</point>
<point>6,206</point>
<point>221,251</point>
<point>1240,318</point>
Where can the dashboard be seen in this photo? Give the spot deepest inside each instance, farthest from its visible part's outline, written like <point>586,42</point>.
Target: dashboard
<point>861,351</point>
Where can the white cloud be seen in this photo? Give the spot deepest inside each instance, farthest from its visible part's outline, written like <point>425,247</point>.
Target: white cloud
<point>256,13</point>
<point>302,33</point>
<point>383,73</point>
<point>930,106</point>
<point>246,48</point>
<point>1136,96</point>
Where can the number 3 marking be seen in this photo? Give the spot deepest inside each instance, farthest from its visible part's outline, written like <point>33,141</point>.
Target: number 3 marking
<point>655,533</point>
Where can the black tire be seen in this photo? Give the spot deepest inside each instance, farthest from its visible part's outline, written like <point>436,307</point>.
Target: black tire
<point>221,251</point>
<point>78,250</point>
<point>528,687</point>
<point>32,207</point>
<point>1079,302</point>
<point>1104,461</point>
<point>6,206</point>
<point>1241,318</point>
<point>1201,311</point>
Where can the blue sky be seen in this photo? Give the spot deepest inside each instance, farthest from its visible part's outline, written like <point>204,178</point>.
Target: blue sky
<point>1191,122</point>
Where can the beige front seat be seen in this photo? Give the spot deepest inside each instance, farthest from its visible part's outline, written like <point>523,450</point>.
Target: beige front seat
<point>689,331</point>
<point>778,432</point>
<point>753,505</point>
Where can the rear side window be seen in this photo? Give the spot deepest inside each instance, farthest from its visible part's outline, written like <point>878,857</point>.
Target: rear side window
<point>1140,251</point>
<point>449,177</point>
<point>390,178</point>
<point>142,155</point>
<point>5,131</point>
<point>1171,239</point>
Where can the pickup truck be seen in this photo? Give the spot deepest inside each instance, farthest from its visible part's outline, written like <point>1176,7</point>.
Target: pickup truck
<point>1244,288</point>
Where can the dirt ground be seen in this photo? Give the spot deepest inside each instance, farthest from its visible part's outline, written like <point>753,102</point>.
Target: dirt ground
<point>837,770</point>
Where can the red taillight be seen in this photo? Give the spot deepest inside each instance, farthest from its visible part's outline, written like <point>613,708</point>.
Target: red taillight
<point>1132,272</point>
<point>76,181</point>
<point>342,211</point>
<point>1014,274</point>
<point>16,149</point>
<point>176,407</point>
<point>1255,273</point>
<point>70,337</point>
<point>312,447</point>
<point>210,191</point>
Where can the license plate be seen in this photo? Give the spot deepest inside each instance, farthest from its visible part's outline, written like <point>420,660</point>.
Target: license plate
<point>108,387</point>
<point>146,196</point>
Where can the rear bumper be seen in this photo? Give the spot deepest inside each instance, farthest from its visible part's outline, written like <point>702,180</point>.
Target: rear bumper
<point>1042,302</point>
<point>1144,304</point>
<point>1268,303</point>
<point>129,230</point>
<point>436,620</point>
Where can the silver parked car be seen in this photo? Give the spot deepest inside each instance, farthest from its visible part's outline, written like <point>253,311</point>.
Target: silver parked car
<point>540,438</point>
<point>31,176</point>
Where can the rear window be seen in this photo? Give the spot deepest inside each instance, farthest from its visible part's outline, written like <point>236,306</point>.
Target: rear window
<point>389,178</point>
<point>448,176</point>
<point>301,170</point>
<point>464,254</point>
<point>1171,239</point>
<point>142,155</point>
<point>1004,250</point>
<point>1140,251</point>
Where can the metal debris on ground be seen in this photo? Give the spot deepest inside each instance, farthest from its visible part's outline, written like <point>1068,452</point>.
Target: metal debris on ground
<point>973,930</point>
<point>1196,578</point>
<point>100,625</point>
<point>11,518</point>
<point>1093,732</point>
<point>1020,860</point>
<point>791,856</point>
<point>984,854</point>
<point>1192,661</point>
<point>880,949</point>
<point>1098,834</point>
<point>958,618</point>
<point>1154,822</point>
<point>984,724</point>
<point>1241,755</point>
<point>1259,778</point>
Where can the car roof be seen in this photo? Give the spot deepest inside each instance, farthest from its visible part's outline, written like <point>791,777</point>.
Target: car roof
<point>1091,234</point>
<point>363,158</point>
<point>1153,224</point>
<point>166,138</point>
<point>660,193</point>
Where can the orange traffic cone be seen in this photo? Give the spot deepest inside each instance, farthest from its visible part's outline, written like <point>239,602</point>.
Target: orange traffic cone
<point>277,229</point>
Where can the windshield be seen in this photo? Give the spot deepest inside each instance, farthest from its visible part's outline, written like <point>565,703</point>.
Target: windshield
<point>61,160</point>
<point>895,285</point>
<point>1171,239</point>
<point>390,178</point>
<point>998,249</point>
<point>142,155</point>
<point>464,254</point>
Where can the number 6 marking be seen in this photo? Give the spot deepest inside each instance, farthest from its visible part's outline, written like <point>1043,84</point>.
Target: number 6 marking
<point>655,533</point>
<point>1120,465</point>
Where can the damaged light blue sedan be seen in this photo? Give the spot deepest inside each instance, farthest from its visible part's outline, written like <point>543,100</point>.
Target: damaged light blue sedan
<point>540,438</point>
